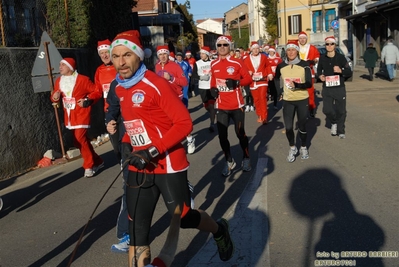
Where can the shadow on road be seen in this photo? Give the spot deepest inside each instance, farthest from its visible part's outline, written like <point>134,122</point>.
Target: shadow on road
<point>318,192</point>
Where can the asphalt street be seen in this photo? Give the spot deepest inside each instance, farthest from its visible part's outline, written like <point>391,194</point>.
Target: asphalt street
<point>345,197</point>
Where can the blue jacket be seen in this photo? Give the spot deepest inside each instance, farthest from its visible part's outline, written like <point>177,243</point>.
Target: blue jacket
<point>186,68</point>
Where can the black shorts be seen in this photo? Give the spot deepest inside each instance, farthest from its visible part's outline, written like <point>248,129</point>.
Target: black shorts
<point>206,96</point>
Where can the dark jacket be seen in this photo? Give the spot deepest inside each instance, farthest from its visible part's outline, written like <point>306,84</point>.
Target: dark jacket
<point>370,57</point>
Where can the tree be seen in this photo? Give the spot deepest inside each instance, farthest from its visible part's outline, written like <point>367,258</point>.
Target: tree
<point>190,36</point>
<point>269,11</point>
<point>81,23</point>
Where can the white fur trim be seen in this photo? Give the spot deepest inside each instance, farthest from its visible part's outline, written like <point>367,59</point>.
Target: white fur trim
<point>204,51</point>
<point>102,47</point>
<point>330,40</point>
<point>67,63</point>
<point>163,51</point>
<point>132,46</point>
<point>292,46</point>
<point>224,38</point>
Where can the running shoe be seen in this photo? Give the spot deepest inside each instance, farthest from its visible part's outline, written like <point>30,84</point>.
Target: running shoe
<point>246,165</point>
<point>191,188</point>
<point>89,173</point>
<point>122,246</point>
<point>191,146</point>
<point>247,108</point>
<point>291,154</point>
<point>304,152</point>
<point>334,129</point>
<point>98,167</point>
<point>229,166</point>
<point>211,128</point>
<point>252,108</point>
<point>1,203</point>
<point>342,136</point>
<point>224,243</point>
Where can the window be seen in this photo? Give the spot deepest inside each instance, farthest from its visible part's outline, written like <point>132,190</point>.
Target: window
<point>317,21</point>
<point>27,20</point>
<point>294,24</point>
<point>12,19</point>
<point>330,16</point>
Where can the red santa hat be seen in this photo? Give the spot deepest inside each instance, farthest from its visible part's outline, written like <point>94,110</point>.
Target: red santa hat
<point>188,53</point>
<point>70,62</point>
<point>206,50</point>
<point>162,49</point>
<point>302,34</point>
<point>292,44</point>
<point>103,45</point>
<point>330,39</point>
<point>271,48</point>
<point>254,44</point>
<point>172,56</point>
<point>224,38</point>
<point>130,39</point>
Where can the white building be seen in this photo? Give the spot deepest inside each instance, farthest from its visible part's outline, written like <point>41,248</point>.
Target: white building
<point>211,25</point>
<point>257,27</point>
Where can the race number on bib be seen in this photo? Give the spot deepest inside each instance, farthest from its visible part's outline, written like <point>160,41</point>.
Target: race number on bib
<point>137,133</point>
<point>206,71</point>
<point>221,85</point>
<point>106,89</point>
<point>69,102</point>
<point>332,80</point>
<point>257,76</point>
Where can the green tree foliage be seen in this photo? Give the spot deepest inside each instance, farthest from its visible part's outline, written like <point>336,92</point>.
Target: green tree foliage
<point>88,21</point>
<point>269,11</point>
<point>244,40</point>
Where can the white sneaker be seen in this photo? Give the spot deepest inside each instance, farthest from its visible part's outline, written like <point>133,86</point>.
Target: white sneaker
<point>291,154</point>
<point>342,136</point>
<point>89,173</point>
<point>228,167</point>
<point>247,108</point>
<point>304,152</point>
<point>252,109</point>
<point>334,129</point>
<point>122,246</point>
<point>191,146</point>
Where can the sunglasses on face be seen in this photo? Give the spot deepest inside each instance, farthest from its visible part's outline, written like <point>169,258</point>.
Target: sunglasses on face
<point>328,44</point>
<point>225,45</point>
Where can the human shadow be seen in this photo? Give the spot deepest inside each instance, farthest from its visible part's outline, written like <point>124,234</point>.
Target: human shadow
<point>318,192</point>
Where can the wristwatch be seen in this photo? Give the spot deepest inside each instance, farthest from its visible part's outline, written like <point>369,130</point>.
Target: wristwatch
<point>153,151</point>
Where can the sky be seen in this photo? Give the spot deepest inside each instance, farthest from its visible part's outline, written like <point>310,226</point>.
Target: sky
<point>203,9</point>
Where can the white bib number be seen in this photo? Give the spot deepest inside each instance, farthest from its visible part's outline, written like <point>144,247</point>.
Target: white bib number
<point>222,87</point>
<point>332,81</point>
<point>69,102</point>
<point>257,76</point>
<point>105,90</point>
<point>137,133</point>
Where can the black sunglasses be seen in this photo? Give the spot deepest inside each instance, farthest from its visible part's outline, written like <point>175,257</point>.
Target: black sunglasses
<point>219,45</point>
<point>328,44</point>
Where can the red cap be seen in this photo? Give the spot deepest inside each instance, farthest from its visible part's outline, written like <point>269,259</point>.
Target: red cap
<point>205,50</point>
<point>130,39</point>
<point>161,49</point>
<point>224,38</point>
<point>104,44</point>
<point>292,44</point>
<point>70,62</point>
<point>330,39</point>
<point>254,44</point>
<point>302,34</point>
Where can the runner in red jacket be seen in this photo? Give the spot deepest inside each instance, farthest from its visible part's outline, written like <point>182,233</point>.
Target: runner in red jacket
<point>259,70</point>
<point>78,93</point>
<point>227,74</point>
<point>156,122</point>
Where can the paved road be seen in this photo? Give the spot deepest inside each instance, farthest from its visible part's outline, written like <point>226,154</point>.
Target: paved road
<point>345,197</point>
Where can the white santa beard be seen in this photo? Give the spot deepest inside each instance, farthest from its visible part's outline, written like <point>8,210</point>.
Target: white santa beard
<point>67,83</point>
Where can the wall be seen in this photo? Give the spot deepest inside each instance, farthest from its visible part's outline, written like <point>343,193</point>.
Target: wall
<point>27,119</point>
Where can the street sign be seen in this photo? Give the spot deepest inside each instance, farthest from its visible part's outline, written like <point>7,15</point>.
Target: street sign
<point>40,71</point>
<point>335,24</point>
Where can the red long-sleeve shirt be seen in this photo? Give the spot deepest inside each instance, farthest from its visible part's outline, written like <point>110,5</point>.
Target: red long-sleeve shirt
<point>178,79</point>
<point>105,74</point>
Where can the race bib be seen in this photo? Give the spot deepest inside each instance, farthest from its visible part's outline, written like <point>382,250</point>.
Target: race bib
<point>288,80</point>
<point>105,90</point>
<point>69,102</point>
<point>137,133</point>
<point>332,80</point>
<point>222,87</point>
<point>274,69</point>
<point>257,76</point>
<point>206,71</point>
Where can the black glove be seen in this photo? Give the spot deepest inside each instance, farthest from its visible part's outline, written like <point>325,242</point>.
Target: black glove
<point>126,151</point>
<point>140,159</point>
<point>87,102</point>
<point>311,62</point>
<point>214,92</point>
<point>232,84</point>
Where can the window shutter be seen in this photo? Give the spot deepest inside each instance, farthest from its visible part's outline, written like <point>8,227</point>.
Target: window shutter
<point>289,26</point>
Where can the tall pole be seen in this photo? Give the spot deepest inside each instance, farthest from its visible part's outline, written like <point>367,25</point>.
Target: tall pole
<point>239,28</point>
<point>55,105</point>
<point>67,23</point>
<point>285,25</point>
<point>3,38</point>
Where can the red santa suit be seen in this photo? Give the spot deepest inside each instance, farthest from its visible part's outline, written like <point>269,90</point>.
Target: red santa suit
<point>229,68</point>
<point>178,79</point>
<point>76,118</point>
<point>259,71</point>
<point>309,52</point>
<point>105,74</point>
<point>154,116</point>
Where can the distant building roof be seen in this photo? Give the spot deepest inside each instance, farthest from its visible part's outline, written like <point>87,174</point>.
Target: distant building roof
<point>198,21</point>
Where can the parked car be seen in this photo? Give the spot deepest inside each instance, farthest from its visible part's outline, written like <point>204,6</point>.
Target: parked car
<point>322,51</point>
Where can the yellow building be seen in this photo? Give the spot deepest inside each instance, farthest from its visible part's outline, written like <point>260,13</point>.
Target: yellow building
<point>315,17</point>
